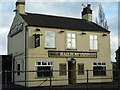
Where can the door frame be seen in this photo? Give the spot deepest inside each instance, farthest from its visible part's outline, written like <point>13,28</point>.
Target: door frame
<point>71,72</point>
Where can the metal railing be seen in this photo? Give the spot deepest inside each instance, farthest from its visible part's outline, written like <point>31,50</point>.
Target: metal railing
<point>86,80</point>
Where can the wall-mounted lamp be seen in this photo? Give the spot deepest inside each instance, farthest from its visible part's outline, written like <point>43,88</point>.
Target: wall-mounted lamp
<point>61,31</point>
<point>83,33</point>
<point>73,60</point>
<point>37,29</point>
<point>104,34</point>
<point>38,34</point>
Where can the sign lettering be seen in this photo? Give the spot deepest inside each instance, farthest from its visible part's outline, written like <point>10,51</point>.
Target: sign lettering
<point>16,29</point>
<point>74,54</point>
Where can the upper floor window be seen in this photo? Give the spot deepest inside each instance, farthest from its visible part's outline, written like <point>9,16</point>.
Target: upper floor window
<point>93,42</point>
<point>36,40</point>
<point>71,41</point>
<point>50,39</point>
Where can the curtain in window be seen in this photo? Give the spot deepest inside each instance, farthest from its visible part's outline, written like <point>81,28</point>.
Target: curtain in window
<point>50,39</point>
<point>93,42</point>
<point>71,41</point>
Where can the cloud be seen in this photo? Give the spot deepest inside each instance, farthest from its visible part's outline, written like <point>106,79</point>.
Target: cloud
<point>59,8</point>
<point>113,24</point>
<point>3,40</point>
<point>74,10</point>
<point>111,15</point>
<point>114,47</point>
<point>61,0</point>
<point>66,9</point>
<point>95,12</point>
<point>72,0</point>
<point>6,14</point>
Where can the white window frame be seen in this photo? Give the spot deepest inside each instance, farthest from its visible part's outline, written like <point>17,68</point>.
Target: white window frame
<point>93,42</point>
<point>103,64</point>
<point>47,65</point>
<point>49,37</point>
<point>73,46</point>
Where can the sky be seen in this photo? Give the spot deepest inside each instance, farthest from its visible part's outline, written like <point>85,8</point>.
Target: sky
<point>66,8</point>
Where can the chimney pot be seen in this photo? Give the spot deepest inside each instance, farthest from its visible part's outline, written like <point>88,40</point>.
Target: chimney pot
<point>87,13</point>
<point>20,6</point>
<point>88,5</point>
<point>20,2</point>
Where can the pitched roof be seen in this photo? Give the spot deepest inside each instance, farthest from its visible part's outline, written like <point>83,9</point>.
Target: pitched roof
<point>61,22</point>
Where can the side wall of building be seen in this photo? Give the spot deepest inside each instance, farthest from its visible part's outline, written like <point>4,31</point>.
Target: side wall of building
<point>16,48</point>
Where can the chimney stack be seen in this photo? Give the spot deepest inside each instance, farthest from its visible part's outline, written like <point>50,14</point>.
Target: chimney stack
<point>87,13</point>
<point>20,6</point>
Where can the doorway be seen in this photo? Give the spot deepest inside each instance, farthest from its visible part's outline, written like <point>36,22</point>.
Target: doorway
<point>71,72</point>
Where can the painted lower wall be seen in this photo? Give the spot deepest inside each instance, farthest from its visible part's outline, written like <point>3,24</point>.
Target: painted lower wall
<point>41,54</point>
<point>63,80</point>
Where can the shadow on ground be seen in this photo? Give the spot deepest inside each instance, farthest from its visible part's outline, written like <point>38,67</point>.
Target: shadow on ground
<point>92,86</point>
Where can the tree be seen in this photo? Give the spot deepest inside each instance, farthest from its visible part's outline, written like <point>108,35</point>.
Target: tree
<point>102,21</point>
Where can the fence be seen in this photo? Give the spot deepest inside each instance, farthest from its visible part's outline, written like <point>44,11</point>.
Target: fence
<point>50,78</point>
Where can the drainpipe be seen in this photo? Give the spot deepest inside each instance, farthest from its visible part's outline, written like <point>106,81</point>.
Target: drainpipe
<point>13,74</point>
<point>25,55</point>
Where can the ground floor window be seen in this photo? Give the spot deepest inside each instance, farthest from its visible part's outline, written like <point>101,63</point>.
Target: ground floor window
<point>99,69</point>
<point>62,69</point>
<point>44,69</point>
<point>80,68</point>
<point>18,69</point>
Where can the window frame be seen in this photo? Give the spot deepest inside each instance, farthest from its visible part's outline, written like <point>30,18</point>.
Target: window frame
<point>71,47</point>
<point>61,72</point>
<point>94,42</point>
<point>41,65</point>
<point>37,40</point>
<point>18,69</point>
<point>103,65</point>
<point>79,71</point>
<point>23,65</point>
<point>48,37</point>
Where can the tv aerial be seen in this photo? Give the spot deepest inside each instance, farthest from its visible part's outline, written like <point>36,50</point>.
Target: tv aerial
<point>83,5</point>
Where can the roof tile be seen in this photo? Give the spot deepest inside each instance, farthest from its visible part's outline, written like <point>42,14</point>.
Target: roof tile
<point>61,22</point>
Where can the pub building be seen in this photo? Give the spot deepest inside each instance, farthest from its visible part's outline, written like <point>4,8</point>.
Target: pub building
<point>46,42</point>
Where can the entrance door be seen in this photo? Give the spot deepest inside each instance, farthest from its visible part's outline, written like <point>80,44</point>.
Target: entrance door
<point>71,72</point>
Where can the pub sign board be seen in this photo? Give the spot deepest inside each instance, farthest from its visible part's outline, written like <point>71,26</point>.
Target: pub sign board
<point>72,54</point>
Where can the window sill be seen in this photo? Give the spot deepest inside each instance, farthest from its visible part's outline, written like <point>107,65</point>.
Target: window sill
<point>43,77</point>
<point>93,50</point>
<point>71,49</point>
<point>80,74</point>
<point>50,48</point>
<point>62,75</point>
<point>101,76</point>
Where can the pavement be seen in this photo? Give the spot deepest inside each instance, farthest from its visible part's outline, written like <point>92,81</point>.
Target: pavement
<point>91,86</point>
